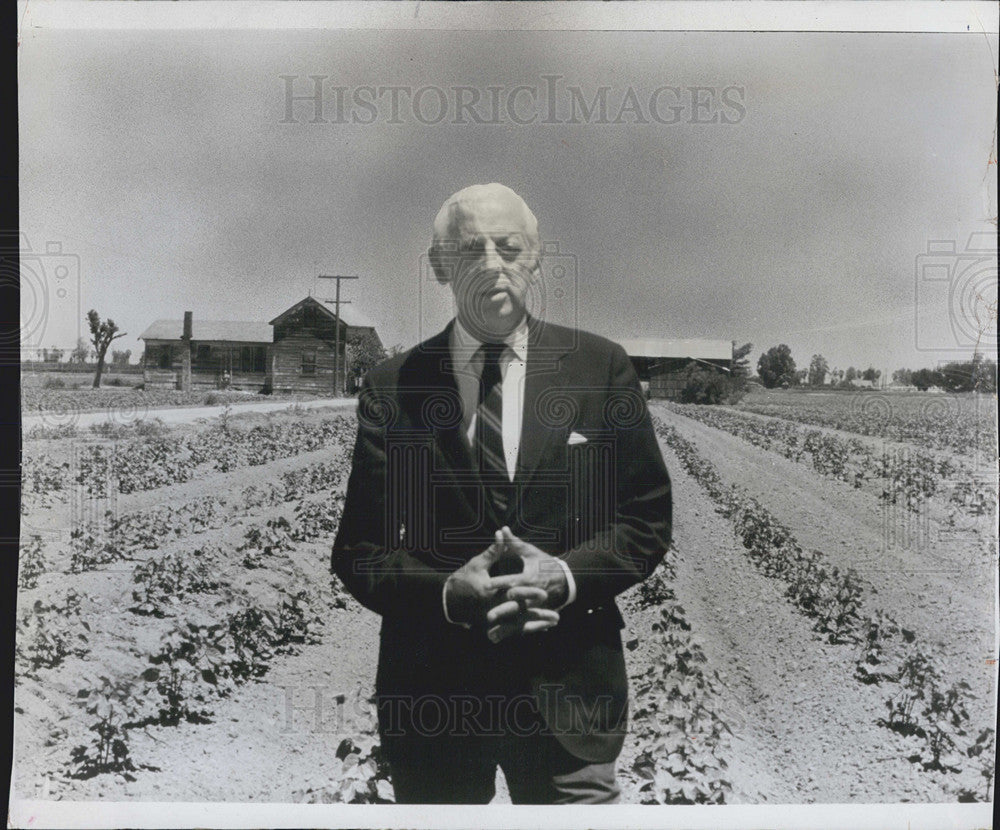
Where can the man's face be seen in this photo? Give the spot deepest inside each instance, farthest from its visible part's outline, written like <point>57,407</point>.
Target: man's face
<point>494,265</point>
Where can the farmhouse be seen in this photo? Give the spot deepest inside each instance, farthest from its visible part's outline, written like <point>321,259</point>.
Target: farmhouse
<point>294,352</point>
<point>661,362</point>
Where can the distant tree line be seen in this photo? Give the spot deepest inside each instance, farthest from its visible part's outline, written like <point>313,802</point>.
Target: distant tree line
<point>776,370</point>
<point>976,375</point>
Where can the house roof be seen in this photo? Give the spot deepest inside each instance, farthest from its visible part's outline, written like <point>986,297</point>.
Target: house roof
<point>254,331</point>
<point>677,348</point>
<point>348,313</point>
<point>232,330</point>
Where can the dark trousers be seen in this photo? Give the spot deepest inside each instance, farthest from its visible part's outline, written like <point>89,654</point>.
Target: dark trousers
<point>462,770</point>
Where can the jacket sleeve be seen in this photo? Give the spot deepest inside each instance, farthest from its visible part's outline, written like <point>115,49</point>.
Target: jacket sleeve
<point>636,540</point>
<point>367,554</point>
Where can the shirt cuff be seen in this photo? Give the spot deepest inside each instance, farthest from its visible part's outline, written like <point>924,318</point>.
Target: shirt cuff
<point>570,584</point>
<point>444,606</point>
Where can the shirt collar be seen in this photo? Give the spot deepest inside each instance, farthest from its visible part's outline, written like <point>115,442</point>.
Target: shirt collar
<point>464,346</point>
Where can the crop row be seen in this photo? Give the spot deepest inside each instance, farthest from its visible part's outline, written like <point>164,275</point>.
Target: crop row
<point>122,537</point>
<point>906,477</point>
<point>959,424</point>
<point>147,463</point>
<point>63,405</point>
<point>196,662</point>
<point>920,704</point>
<point>680,737</point>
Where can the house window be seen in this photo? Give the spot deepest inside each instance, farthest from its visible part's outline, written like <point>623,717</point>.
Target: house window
<point>165,357</point>
<point>308,363</point>
<point>309,315</point>
<point>203,355</point>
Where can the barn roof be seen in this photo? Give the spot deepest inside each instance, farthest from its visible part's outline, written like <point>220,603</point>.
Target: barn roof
<point>677,348</point>
<point>236,331</point>
<point>348,313</point>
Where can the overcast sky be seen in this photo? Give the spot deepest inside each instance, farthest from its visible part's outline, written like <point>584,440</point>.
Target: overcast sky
<point>160,159</point>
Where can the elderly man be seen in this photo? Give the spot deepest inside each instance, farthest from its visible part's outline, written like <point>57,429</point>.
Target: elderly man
<point>506,485</point>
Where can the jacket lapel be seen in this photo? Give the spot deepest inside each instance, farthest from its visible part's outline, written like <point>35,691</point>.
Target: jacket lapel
<point>541,428</point>
<point>431,395</point>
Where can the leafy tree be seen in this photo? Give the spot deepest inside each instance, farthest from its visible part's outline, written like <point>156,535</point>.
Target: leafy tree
<point>710,386</point>
<point>871,373</point>
<point>924,379</point>
<point>984,374</point>
<point>364,352</point>
<point>818,370</point>
<point>102,334</point>
<point>904,377</point>
<point>120,358</point>
<point>741,365</point>
<point>80,353</point>
<point>776,367</point>
<point>850,374</point>
<point>965,376</point>
<point>741,368</point>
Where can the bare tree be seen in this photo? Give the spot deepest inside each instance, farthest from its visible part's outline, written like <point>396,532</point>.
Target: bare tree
<point>102,334</point>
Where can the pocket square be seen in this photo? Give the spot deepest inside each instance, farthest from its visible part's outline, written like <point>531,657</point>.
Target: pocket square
<point>576,438</point>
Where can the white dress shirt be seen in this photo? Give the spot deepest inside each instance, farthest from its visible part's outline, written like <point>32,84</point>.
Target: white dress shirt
<point>468,367</point>
<point>513,366</point>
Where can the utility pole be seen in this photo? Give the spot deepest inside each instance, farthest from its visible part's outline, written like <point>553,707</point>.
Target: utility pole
<point>337,387</point>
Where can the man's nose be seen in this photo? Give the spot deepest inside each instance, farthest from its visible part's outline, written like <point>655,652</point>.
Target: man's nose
<point>491,259</point>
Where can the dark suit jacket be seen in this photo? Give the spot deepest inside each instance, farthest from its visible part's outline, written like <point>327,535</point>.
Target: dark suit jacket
<point>416,511</point>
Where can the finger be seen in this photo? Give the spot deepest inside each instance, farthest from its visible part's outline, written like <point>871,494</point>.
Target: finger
<point>510,610</point>
<point>510,539</point>
<point>535,626</point>
<point>507,581</point>
<point>546,615</point>
<point>503,612</point>
<point>527,595</point>
<point>504,630</point>
<point>513,611</point>
<point>500,632</point>
<point>495,551</point>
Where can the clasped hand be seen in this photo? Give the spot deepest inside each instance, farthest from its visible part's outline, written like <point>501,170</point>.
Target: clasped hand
<point>517,603</point>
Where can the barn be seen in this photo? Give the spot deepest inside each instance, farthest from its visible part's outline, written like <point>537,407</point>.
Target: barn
<point>661,363</point>
<point>294,352</point>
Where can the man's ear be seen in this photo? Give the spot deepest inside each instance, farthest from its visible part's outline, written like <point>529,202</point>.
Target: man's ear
<point>536,271</point>
<point>434,255</point>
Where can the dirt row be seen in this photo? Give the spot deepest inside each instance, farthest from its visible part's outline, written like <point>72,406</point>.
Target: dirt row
<point>803,730</point>
<point>936,580</point>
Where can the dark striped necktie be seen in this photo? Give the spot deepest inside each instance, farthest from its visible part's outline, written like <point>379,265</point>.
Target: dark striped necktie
<point>489,418</point>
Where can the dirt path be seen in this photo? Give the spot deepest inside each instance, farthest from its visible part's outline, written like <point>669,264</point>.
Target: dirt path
<point>803,730</point>
<point>940,582</point>
<point>186,415</point>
